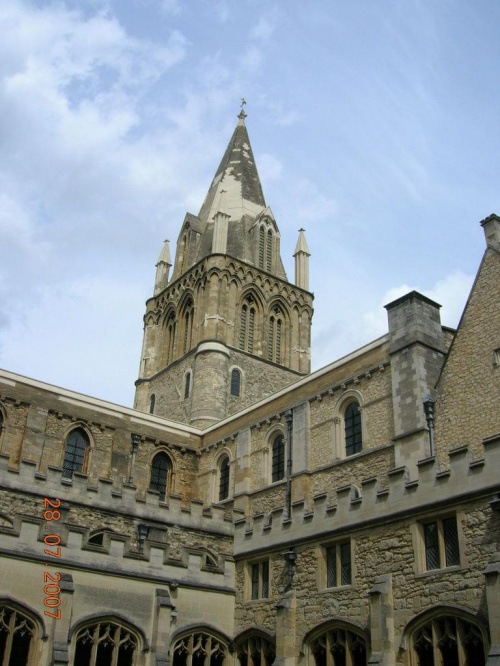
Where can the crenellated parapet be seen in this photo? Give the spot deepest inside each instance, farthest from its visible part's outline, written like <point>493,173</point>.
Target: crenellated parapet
<point>377,499</point>
<point>108,497</point>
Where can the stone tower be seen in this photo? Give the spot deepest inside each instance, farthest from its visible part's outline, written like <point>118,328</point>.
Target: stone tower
<point>227,328</point>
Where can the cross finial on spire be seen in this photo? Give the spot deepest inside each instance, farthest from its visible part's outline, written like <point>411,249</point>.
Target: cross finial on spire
<point>242,115</point>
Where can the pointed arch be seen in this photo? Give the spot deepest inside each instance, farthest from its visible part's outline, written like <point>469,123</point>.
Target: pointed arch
<point>199,646</point>
<point>76,455</point>
<point>186,317</point>
<point>446,634</point>
<point>256,646</point>
<point>160,476</point>
<point>20,633</point>
<point>104,638</point>
<point>169,331</point>
<point>250,321</point>
<point>344,641</point>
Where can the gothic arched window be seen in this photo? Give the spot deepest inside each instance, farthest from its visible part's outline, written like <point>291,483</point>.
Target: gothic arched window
<point>278,461</point>
<point>105,643</point>
<point>160,473</point>
<point>247,324</point>
<point>224,478</point>
<point>199,649</point>
<point>261,246</point>
<point>353,431</point>
<point>338,645</point>
<point>75,452</point>
<point>274,342</point>
<point>235,382</point>
<point>187,385</point>
<point>447,639</point>
<point>171,326</point>
<point>255,650</point>
<point>16,637</point>
<point>269,248</point>
<point>188,326</point>
<point>152,401</point>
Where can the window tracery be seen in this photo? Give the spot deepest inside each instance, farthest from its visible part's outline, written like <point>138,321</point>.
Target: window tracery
<point>255,651</point>
<point>339,646</point>
<point>17,633</point>
<point>106,643</point>
<point>199,649</point>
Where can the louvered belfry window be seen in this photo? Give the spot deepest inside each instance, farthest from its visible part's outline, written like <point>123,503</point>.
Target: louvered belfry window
<point>247,324</point>
<point>269,250</point>
<point>261,247</point>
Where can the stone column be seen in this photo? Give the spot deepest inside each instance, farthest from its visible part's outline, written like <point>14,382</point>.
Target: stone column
<point>492,575</point>
<point>382,622</point>
<point>286,616</point>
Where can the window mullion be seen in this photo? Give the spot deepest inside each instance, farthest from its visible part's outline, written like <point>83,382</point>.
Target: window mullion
<point>442,549</point>
<point>329,655</point>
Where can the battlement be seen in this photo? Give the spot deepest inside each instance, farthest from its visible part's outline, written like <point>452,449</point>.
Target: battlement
<point>348,508</point>
<point>105,495</point>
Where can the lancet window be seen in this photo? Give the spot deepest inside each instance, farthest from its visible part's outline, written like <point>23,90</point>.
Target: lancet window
<point>199,649</point>
<point>353,430</point>
<point>247,324</point>
<point>16,637</point>
<point>278,461</point>
<point>160,474</point>
<point>188,326</point>
<point>274,344</point>
<point>171,326</point>
<point>224,471</point>
<point>105,644</point>
<point>75,452</point>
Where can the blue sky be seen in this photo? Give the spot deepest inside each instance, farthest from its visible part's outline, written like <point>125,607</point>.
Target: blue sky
<point>374,126</point>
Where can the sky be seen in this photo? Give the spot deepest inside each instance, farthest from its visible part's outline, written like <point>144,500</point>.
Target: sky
<point>374,126</point>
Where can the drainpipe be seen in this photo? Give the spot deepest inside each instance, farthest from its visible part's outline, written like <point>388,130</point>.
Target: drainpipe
<point>133,450</point>
<point>429,415</point>
<point>288,503</point>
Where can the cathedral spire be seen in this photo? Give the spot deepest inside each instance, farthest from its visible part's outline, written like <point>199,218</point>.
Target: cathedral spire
<point>237,175</point>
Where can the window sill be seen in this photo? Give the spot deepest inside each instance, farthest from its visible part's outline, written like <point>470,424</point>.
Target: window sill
<point>340,588</point>
<point>437,572</point>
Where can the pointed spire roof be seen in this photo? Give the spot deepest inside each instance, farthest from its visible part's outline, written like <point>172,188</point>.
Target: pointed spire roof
<point>165,254</point>
<point>237,175</point>
<point>301,244</point>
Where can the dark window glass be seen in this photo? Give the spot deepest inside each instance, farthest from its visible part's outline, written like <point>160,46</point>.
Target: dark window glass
<point>159,474</point>
<point>450,535</point>
<point>152,401</point>
<point>16,632</point>
<point>255,581</point>
<point>265,579</point>
<point>431,546</point>
<point>353,435</point>
<point>224,480</point>
<point>111,643</point>
<point>345,562</point>
<point>331,567</point>
<point>187,385</point>
<point>74,454</point>
<point>278,467</point>
<point>235,382</point>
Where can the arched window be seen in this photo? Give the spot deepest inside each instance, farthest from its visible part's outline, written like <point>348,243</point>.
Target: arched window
<point>255,650</point>
<point>105,643</point>
<point>338,646</point>
<point>170,338</point>
<point>261,247</point>
<point>75,453</point>
<point>224,478</point>
<point>269,248</point>
<point>160,473</point>
<point>235,382</point>
<point>152,401</point>
<point>16,637</point>
<point>188,326</point>
<point>278,462</point>
<point>353,432</point>
<point>199,649</point>
<point>247,324</point>
<point>187,385</point>
<point>274,337</point>
<point>449,640</point>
